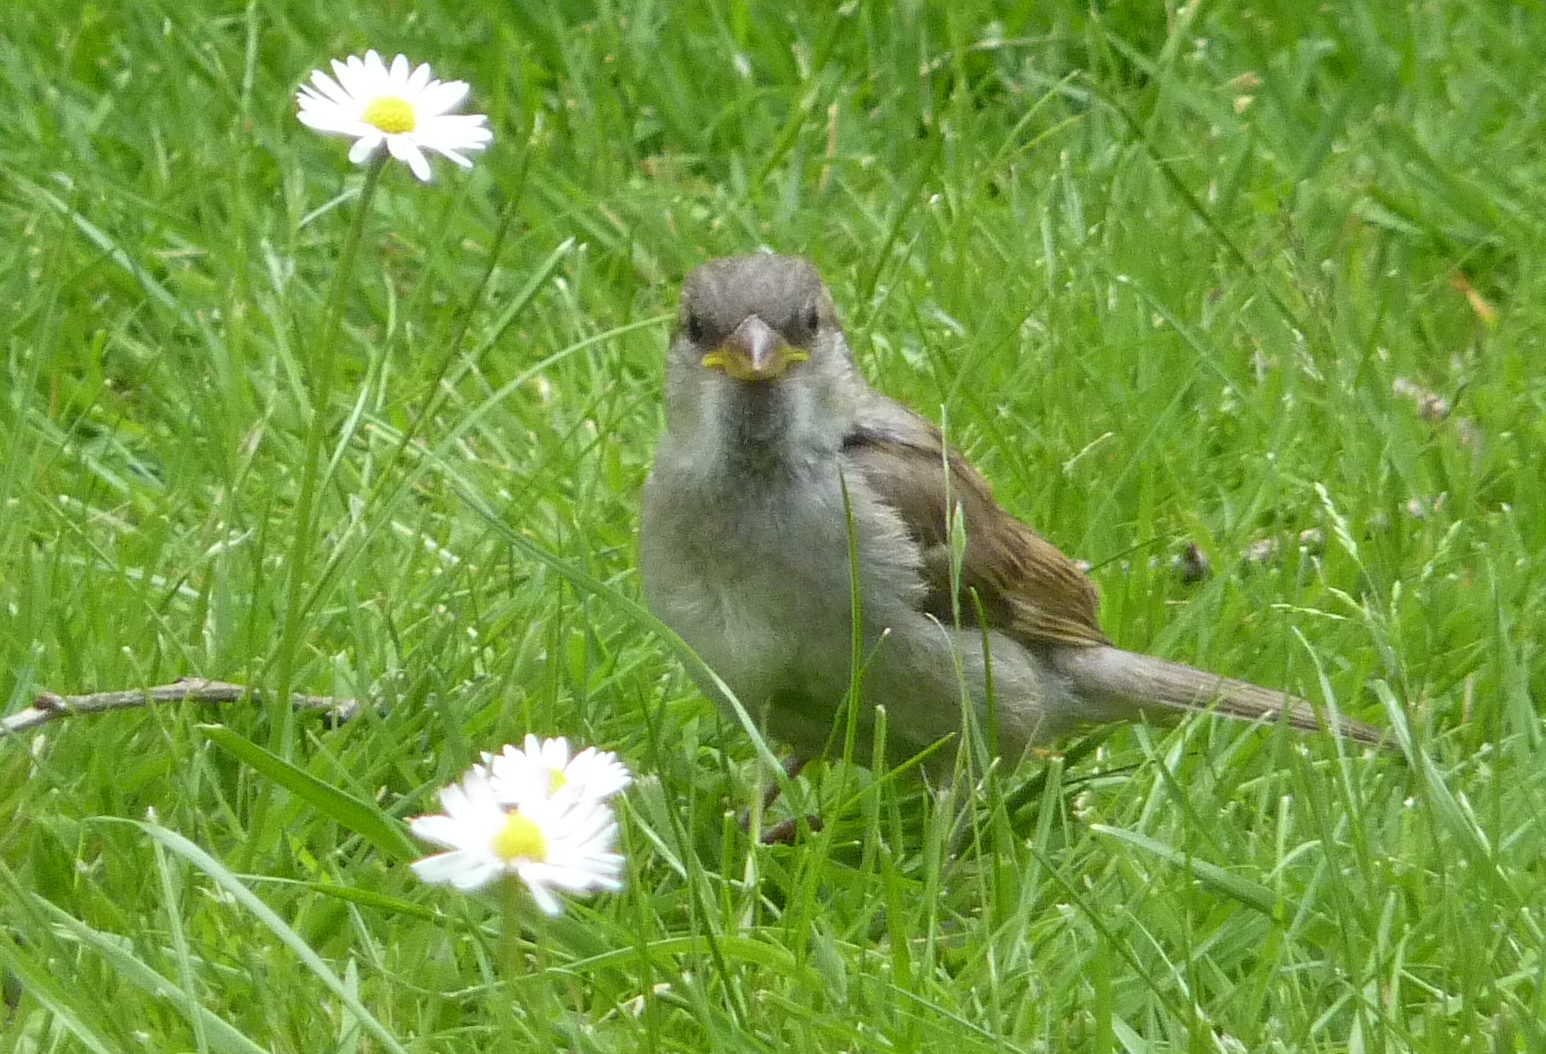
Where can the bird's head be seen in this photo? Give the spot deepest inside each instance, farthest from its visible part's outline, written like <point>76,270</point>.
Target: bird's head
<point>757,346</point>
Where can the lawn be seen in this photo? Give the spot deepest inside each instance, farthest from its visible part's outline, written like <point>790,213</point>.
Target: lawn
<point>1231,301</point>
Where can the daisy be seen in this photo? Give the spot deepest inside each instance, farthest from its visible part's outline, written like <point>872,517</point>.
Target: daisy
<point>545,769</point>
<point>563,843</point>
<point>401,107</point>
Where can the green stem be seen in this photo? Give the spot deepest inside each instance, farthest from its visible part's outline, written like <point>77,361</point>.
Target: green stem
<point>514,914</point>
<point>325,354</point>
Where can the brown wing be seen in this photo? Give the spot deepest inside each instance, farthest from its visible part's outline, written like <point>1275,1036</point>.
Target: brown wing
<point>1027,588</point>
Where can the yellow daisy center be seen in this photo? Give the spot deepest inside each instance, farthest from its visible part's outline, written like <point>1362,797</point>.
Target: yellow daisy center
<point>519,839</point>
<point>390,114</point>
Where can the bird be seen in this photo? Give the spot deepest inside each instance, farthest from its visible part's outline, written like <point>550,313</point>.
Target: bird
<point>796,518</point>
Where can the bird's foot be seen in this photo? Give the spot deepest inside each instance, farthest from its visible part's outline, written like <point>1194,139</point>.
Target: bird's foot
<point>786,832</point>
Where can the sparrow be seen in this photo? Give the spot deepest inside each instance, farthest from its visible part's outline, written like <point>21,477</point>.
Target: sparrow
<point>779,464</point>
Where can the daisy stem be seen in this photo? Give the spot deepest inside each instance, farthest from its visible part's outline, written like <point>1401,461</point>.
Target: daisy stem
<point>325,353</point>
<point>526,961</point>
<point>514,914</point>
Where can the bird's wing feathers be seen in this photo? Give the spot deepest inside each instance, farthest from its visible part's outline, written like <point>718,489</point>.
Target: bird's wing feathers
<point>1026,587</point>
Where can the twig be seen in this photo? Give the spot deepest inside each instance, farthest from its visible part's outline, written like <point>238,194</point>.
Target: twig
<point>49,706</point>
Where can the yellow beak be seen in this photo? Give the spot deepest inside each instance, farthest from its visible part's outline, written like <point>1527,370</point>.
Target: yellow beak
<point>754,352</point>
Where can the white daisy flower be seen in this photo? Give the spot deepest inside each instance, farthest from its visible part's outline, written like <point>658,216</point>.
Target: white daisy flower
<point>564,843</point>
<point>401,107</point>
<point>545,769</point>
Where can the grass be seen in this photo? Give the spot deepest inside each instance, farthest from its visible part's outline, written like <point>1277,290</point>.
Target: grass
<point>1170,277</point>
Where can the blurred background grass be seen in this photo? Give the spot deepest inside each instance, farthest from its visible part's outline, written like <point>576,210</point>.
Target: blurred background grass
<point>1261,278</point>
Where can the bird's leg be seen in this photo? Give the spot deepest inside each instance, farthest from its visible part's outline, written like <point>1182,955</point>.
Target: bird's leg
<point>793,766</point>
<point>782,833</point>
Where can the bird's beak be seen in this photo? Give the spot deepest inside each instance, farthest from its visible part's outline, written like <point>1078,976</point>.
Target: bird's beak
<point>754,352</point>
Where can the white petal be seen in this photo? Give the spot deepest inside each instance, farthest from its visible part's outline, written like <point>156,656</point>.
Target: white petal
<point>438,98</point>
<point>475,785</point>
<point>453,798</point>
<point>574,879</point>
<point>587,831</point>
<point>406,151</point>
<point>517,775</point>
<point>599,772</point>
<point>370,81</point>
<point>544,898</point>
<point>309,98</point>
<point>364,147</point>
<point>521,789</point>
<point>351,77</point>
<point>442,830</point>
<point>454,132</point>
<point>374,66</point>
<point>315,119</point>
<point>330,119</point>
<point>555,753</point>
<point>330,89</point>
<point>397,75</point>
<point>421,77</point>
<point>609,881</point>
<point>476,876</point>
<point>443,868</point>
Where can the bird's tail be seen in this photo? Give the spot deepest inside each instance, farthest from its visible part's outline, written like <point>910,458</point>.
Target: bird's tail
<point>1118,682</point>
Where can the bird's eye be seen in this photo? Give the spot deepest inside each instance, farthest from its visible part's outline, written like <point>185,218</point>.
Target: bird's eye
<point>812,318</point>
<point>694,328</point>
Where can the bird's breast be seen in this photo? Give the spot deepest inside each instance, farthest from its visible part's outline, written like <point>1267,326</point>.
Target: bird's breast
<point>754,573</point>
